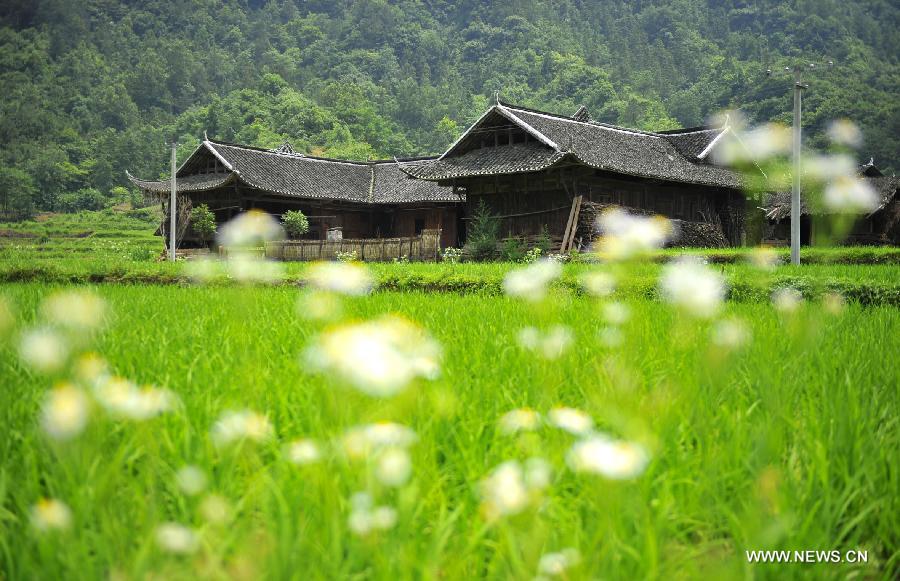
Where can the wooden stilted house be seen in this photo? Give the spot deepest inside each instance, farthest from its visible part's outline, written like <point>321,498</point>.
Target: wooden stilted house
<point>534,169</point>
<point>342,199</point>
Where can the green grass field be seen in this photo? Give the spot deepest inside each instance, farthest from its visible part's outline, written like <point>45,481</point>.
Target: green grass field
<point>761,429</point>
<point>787,443</point>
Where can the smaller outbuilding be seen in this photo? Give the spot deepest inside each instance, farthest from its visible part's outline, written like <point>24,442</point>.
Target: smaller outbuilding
<point>879,227</point>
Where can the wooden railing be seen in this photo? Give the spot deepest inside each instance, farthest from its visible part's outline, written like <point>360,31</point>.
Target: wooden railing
<point>425,247</point>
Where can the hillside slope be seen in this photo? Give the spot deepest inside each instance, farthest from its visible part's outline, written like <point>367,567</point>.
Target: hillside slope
<point>95,87</point>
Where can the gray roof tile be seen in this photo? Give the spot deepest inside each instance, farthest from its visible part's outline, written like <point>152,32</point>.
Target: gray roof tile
<point>297,175</point>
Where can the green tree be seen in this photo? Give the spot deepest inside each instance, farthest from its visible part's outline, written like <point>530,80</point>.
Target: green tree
<point>296,224</point>
<point>203,222</point>
<point>17,193</point>
<point>483,234</point>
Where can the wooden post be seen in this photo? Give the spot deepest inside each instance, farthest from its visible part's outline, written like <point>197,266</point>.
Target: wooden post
<point>569,225</point>
<point>567,243</point>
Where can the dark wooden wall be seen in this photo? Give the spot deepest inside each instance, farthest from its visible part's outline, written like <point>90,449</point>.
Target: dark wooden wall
<point>526,202</point>
<point>356,220</point>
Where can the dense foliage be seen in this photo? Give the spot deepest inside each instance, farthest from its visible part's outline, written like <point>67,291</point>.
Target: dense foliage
<point>203,221</point>
<point>296,224</point>
<point>96,87</point>
<point>484,233</point>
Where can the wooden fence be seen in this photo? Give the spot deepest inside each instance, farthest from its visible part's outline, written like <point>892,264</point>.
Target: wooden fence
<point>425,247</point>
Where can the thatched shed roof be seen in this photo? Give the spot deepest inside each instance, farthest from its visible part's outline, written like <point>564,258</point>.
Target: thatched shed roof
<point>777,206</point>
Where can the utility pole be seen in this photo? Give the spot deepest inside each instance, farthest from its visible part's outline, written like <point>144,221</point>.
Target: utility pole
<point>796,152</point>
<point>172,209</point>
<point>795,185</point>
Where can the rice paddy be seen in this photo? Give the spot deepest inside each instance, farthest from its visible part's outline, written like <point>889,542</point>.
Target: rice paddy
<point>775,430</point>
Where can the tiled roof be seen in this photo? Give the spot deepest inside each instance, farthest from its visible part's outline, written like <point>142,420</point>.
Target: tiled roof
<point>778,205</point>
<point>663,156</point>
<point>194,183</point>
<point>627,151</point>
<point>507,159</point>
<point>691,143</point>
<point>393,186</point>
<point>292,174</point>
<point>296,175</point>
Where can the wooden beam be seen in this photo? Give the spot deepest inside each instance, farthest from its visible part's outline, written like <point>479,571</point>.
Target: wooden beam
<point>571,224</point>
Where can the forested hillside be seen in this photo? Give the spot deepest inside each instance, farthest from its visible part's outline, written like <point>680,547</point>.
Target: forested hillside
<point>94,87</point>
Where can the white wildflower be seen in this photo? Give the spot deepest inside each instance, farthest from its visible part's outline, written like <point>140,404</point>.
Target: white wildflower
<point>251,228</point>
<point>318,306</point>
<point>44,349</point>
<point>51,514</point>
<point>124,399</point>
<point>787,300</point>
<point>848,194</point>
<point>78,310</point>
<point>234,426</point>
<point>65,412</point>
<point>531,283</point>
<point>598,283</point>
<point>203,269</point>
<point>767,141</point>
<point>556,564</point>
<point>538,473</point>
<point>626,235</point>
<point>393,467</point>
<point>834,303</point>
<point>828,167</point>
<point>504,491</point>
<point>764,258</point>
<point>366,518</point>
<point>520,420</point>
<point>215,509</point>
<point>246,268</point>
<point>91,369</point>
<point>176,538</point>
<point>731,333</point>
<point>615,459</point>
<point>302,452</point>
<point>571,420</point>
<point>379,358</point>
<point>345,278</point>
<point>360,441</point>
<point>742,146</point>
<point>191,480</point>
<point>845,132</point>
<point>549,345</point>
<point>693,286</point>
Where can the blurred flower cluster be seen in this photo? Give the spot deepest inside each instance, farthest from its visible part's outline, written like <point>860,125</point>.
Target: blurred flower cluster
<point>831,183</point>
<point>243,241</point>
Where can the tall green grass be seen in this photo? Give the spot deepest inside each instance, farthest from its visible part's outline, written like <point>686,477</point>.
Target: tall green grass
<point>788,443</point>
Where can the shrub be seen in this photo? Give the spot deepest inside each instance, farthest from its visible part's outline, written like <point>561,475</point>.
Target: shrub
<point>513,250</point>
<point>203,221</point>
<point>533,255</point>
<point>483,233</point>
<point>543,240</point>
<point>451,255</point>
<point>84,199</point>
<point>350,256</point>
<point>296,224</point>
